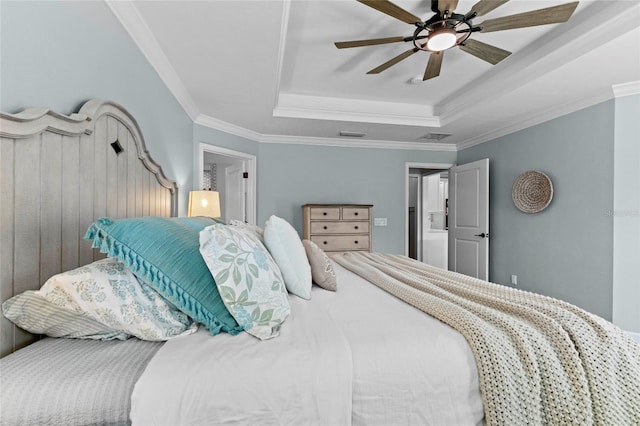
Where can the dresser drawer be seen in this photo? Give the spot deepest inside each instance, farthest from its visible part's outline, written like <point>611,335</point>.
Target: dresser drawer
<point>339,227</point>
<point>355,213</point>
<point>324,213</point>
<point>341,242</point>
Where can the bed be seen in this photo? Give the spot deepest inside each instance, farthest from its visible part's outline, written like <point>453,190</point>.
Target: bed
<point>397,343</point>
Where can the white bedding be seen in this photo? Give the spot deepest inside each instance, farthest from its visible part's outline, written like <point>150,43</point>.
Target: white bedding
<point>356,356</point>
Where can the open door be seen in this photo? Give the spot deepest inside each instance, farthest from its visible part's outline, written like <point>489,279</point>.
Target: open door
<point>234,193</point>
<point>469,219</point>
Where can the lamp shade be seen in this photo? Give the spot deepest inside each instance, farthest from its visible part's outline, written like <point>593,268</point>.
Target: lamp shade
<point>204,203</point>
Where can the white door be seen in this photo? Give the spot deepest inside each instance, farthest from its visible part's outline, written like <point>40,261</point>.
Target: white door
<point>234,193</point>
<point>469,219</point>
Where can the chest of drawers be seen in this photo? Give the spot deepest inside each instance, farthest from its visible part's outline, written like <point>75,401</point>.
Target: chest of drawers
<point>338,227</point>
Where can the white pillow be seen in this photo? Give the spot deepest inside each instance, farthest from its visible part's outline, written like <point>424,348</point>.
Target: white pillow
<point>247,278</point>
<point>287,250</point>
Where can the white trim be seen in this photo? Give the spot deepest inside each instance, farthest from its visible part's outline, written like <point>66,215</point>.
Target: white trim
<point>224,126</point>
<point>533,120</point>
<point>407,166</point>
<point>251,161</point>
<point>284,27</point>
<point>130,18</point>
<point>359,143</point>
<point>214,123</point>
<point>626,89</point>
<point>340,109</point>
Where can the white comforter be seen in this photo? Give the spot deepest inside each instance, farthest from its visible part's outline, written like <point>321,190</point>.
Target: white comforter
<point>356,356</point>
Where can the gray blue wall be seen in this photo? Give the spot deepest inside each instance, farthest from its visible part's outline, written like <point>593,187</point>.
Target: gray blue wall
<point>626,214</point>
<point>292,175</point>
<point>61,54</point>
<point>566,250</point>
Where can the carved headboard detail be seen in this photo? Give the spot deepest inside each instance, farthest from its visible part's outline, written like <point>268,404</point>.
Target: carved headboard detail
<point>57,175</point>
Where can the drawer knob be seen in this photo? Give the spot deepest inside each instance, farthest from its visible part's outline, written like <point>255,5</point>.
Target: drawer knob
<point>356,241</point>
<point>356,227</point>
<point>324,242</point>
<point>324,213</point>
<point>356,213</point>
<point>324,227</point>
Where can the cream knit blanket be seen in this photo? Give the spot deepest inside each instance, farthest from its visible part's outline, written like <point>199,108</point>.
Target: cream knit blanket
<point>541,361</point>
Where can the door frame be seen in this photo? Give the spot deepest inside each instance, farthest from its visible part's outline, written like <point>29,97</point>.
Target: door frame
<point>250,166</point>
<point>407,166</point>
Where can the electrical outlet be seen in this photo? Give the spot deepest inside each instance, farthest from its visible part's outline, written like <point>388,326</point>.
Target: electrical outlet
<point>379,221</point>
<point>514,279</point>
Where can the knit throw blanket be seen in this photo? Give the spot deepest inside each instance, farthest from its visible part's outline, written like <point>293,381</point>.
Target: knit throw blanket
<point>541,361</point>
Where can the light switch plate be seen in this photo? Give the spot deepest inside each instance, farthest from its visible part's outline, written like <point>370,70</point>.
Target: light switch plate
<point>379,221</point>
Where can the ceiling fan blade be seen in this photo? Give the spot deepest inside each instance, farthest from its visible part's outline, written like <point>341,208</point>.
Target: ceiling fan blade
<point>392,10</point>
<point>549,15</point>
<point>434,65</point>
<point>393,61</point>
<point>444,5</point>
<point>485,6</point>
<point>370,42</point>
<point>484,51</point>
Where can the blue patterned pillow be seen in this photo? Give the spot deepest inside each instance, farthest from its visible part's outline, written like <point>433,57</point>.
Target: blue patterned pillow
<point>165,253</point>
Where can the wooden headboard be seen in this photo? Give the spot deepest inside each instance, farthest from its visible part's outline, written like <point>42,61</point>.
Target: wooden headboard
<point>57,175</point>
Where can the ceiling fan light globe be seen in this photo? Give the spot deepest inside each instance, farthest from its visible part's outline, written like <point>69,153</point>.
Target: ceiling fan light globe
<point>441,40</point>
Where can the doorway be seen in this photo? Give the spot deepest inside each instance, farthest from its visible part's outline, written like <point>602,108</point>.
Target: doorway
<point>426,218</point>
<point>465,216</point>
<point>233,175</point>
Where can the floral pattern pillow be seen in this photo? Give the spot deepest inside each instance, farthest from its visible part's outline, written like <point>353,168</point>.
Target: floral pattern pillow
<point>247,277</point>
<point>108,292</point>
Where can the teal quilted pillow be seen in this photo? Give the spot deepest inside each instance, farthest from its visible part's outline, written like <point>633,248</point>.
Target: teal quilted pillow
<point>164,252</point>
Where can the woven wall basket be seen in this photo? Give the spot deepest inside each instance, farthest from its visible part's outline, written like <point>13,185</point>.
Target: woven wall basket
<point>532,191</point>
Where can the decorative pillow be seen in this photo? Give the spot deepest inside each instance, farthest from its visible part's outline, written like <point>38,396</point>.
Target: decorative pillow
<point>164,253</point>
<point>32,312</point>
<point>321,267</point>
<point>247,277</point>
<point>107,291</point>
<point>287,250</point>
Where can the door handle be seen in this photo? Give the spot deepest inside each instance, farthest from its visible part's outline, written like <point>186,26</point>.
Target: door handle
<point>483,235</point>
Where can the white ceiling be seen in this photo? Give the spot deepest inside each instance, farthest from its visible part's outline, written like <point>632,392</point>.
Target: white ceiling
<point>269,70</point>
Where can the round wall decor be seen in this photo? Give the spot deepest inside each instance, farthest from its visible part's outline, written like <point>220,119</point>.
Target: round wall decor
<point>532,191</point>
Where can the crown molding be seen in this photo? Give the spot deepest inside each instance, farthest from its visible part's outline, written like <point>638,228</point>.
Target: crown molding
<point>339,109</point>
<point>626,89</point>
<point>224,126</point>
<point>546,115</point>
<point>214,123</point>
<point>360,143</point>
<point>129,16</point>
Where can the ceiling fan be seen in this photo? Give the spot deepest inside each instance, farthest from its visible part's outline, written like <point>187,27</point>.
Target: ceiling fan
<point>447,29</point>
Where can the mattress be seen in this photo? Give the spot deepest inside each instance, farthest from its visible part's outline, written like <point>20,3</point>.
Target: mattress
<point>357,356</point>
<point>72,382</point>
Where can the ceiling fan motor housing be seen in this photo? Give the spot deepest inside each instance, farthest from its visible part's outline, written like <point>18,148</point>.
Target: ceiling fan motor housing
<point>455,24</point>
